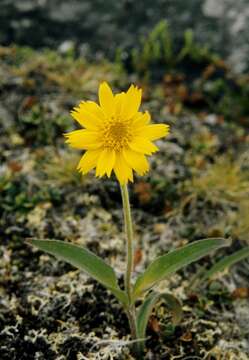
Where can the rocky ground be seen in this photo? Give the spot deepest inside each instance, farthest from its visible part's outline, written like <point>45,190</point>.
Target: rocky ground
<point>197,187</point>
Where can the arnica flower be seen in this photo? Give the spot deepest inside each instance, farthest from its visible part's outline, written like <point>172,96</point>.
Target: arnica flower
<point>116,135</point>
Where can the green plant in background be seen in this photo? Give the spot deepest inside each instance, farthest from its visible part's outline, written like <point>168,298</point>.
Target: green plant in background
<point>193,51</point>
<point>227,181</point>
<point>224,179</point>
<point>117,137</point>
<point>204,73</point>
<point>159,48</point>
<point>156,48</point>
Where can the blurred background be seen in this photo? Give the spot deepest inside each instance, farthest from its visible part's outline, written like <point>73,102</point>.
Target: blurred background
<point>191,59</point>
<point>97,28</point>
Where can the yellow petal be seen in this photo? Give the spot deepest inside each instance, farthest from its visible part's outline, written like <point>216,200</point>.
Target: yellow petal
<point>88,161</point>
<point>86,117</point>
<point>136,160</point>
<point>106,162</point>
<point>122,170</point>
<point>132,102</point>
<point>141,119</point>
<point>153,132</point>
<point>83,139</point>
<point>106,99</point>
<point>94,108</point>
<point>119,100</point>
<point>143,145</point>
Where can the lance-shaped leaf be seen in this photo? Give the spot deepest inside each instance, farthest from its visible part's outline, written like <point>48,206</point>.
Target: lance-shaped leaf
<point>84,260</point>
<point>146,308</point>
<point>224,264</point>
<point>168,264</point>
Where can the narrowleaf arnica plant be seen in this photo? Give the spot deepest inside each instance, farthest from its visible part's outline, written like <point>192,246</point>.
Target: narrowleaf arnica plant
<point>117,138</point>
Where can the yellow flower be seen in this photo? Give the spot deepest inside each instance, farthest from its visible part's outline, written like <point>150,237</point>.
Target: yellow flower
<point>116,136</point>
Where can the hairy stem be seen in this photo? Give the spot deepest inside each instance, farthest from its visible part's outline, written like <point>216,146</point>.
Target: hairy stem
<point>129,243</point>
<point>131,311</point>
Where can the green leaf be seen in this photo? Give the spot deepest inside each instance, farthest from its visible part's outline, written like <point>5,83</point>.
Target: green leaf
<point>84,260</point>
<point>168,264</point>
<point>225,263</point>
<point>146,308</point>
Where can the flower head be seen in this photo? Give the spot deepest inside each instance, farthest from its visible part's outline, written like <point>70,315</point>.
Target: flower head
<point>116,136</point>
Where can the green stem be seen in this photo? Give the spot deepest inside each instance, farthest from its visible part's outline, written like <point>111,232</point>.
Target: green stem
<point>129,243</point>
<point>131,311</point>
<point>132,322</point>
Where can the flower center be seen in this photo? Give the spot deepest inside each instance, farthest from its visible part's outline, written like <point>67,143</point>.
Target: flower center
<point>117,134</point>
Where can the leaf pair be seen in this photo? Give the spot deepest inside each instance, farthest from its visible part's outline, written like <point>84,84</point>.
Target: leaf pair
<point>158,270</point>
